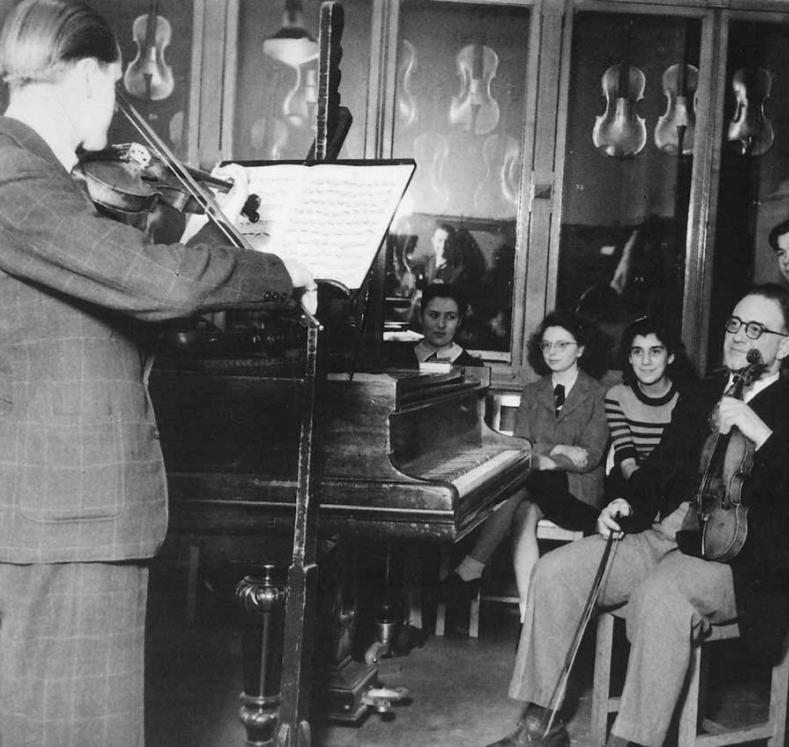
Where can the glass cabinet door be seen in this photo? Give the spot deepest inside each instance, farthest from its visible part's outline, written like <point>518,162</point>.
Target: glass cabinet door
<point>156,47</point>
<point>276,93</point>
<point>459,112</point>
<point>753,193</point>
<point>627,166</point>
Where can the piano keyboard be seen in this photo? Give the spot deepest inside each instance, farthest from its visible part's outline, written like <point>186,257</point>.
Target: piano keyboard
<point>468,471</point>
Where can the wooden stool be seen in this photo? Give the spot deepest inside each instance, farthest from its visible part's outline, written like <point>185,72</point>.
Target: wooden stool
<point>546,530</point>
<point>691,722</point>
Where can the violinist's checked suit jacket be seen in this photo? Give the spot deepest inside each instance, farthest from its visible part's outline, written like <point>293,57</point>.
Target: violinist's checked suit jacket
<point>81,473</point>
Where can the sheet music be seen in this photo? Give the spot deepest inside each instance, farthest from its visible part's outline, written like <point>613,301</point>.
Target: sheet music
<point>332,216</point>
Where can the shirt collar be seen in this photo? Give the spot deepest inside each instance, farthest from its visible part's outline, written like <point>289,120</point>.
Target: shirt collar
<point>449,353</point>
<point>567,386</point>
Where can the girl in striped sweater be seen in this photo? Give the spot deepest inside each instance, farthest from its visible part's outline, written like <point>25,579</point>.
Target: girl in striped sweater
<point>655,372</point>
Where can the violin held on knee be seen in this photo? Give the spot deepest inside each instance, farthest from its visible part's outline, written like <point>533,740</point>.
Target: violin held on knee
<point>717,524</point>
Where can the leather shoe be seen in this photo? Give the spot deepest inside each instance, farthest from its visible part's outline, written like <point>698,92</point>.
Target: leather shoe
<point>453,588</point>
<point>531,732</point>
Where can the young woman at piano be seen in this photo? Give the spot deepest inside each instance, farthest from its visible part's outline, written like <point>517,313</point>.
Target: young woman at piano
<point>655,373</point>
<point>563,416</point>
<point>83,504</point>
<point>442,308</point>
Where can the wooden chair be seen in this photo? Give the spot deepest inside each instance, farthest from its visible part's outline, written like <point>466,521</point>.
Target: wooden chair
<point>546,530</point>
<point>694,729</point>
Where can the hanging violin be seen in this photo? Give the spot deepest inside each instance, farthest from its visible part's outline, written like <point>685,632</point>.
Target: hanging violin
<point>474,106</point>
<point>717,526</point>
<point>749,129</point>
<point>676,127</point>
<point>620,132</point>
<point>148,76</point>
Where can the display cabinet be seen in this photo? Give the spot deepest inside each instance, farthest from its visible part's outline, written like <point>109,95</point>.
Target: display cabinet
<point>617,157</point>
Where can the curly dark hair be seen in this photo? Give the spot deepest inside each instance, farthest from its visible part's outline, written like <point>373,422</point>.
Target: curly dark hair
<point>681,370</point>
<point>587,333</point>
<point>775,233</point>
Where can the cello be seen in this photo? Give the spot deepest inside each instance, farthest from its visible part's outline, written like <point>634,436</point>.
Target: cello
<point>717,524</point>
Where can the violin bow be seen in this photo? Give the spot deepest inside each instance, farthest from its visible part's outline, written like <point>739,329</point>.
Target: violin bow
<point>561,685</point>
<point>204,198</point>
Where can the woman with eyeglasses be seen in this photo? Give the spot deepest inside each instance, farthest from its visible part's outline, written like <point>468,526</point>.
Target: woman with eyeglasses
<point>563,416</point>
<point>655,373</point>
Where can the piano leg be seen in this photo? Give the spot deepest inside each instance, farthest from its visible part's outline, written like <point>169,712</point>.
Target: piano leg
<point>263,603</point>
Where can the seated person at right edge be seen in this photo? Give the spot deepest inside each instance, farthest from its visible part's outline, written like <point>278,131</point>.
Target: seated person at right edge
<point>670,596</point>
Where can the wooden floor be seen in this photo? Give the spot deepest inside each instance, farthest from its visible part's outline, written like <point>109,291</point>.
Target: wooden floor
<point>458,686</point>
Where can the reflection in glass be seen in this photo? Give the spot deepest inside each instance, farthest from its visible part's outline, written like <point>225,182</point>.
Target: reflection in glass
<point>459,114</point>
<point>628,162</point>
<point>754,175</point>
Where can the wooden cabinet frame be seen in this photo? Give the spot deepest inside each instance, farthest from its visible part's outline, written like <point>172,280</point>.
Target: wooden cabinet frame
<point>543,138</point>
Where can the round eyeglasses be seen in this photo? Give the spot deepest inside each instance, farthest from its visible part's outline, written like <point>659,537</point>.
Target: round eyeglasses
<point>561,345</point>
<point>753,330</point>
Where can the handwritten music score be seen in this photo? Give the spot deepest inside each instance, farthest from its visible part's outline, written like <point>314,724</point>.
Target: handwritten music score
<point>332,216</point>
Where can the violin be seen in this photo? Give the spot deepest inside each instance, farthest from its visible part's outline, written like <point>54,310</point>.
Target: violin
<point>147,76</point>
<point>130,178</point>
<point>749,129</point>
<point>718,524</point>
<point>676,128</point>
<point>620,132</point>
<point>474,107</point>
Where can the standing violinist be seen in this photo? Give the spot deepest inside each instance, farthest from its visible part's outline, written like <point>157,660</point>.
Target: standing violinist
<point>669,598</point>
<point>83,504</point>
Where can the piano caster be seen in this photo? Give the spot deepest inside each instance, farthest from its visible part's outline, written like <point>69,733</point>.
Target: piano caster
<point>355,690</point>
<point>380,699</point>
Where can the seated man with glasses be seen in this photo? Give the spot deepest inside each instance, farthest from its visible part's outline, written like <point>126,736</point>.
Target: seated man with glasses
<point>563,416</point>
<point>672,594</point>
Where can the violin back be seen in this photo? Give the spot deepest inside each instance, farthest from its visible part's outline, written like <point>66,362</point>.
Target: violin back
<point>620,132</point>
<point>725,532</point>
<point>148,76</point>
<point>750,129</point>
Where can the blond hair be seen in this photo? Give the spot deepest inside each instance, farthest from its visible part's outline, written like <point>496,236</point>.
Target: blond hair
<point>40,38</point>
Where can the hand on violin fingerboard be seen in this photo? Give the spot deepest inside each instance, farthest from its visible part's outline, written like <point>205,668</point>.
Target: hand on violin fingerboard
<point>735,412</point>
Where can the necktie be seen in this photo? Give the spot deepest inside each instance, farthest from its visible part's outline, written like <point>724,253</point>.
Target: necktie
<point>431,357</point>
<point>558,397</point>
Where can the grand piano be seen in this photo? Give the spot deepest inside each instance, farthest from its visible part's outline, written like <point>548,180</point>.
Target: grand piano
<point>401,454</point>
<point>397,454</point>
<point>261,434</point>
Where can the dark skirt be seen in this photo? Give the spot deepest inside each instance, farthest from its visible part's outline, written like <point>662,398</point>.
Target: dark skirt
<point>549,490</point>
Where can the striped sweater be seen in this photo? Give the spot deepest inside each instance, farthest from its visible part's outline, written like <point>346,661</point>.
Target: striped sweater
<point>636,422</point>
